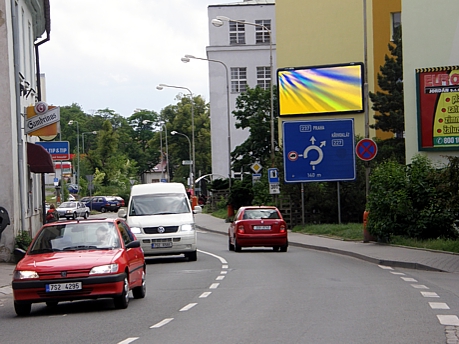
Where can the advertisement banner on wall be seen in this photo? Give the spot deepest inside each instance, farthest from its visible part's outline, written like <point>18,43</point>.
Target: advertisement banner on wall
<point>438,108</point>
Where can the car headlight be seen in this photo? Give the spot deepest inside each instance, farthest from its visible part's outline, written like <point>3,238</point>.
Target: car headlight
<point>136,230</point>
<point>187,228</point>
<point>68,211</point>
<point>104,269</point>
<point>18,275</point>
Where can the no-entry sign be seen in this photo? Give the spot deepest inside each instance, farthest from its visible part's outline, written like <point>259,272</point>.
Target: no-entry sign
<point>366,149</point>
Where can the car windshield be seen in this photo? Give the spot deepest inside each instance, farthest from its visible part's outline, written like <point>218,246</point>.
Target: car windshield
<point>159,204</point>
<point>76,236</point>
<point>68,205</point>
<point>261,214</point>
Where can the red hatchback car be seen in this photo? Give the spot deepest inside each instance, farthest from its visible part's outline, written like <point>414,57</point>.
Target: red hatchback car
<point>258,226</point>
<point>80,259</point>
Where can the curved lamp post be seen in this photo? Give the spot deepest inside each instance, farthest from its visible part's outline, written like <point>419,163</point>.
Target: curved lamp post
<point>193,161</point>
<point>89,132</point>
<point>177,133</point>
<point>218,22</point>
<point>186,59</point>
<point>146,121</point>
<point>78,155</point>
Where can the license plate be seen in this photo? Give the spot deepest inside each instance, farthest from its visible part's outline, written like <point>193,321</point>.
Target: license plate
<point>161,245</point>
<point>262,227</point>
<point>64,287</point>
<point>113,204</point>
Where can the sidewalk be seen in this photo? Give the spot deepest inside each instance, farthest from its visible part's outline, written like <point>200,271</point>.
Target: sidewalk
<point>394,256</point>
<point>388,255</point>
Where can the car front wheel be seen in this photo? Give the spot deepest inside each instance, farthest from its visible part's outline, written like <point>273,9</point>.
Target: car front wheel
<point>74,216</point>
<point>122,301</point>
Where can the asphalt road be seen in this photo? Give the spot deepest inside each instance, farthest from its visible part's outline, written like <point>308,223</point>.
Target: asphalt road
<point>256,296</point>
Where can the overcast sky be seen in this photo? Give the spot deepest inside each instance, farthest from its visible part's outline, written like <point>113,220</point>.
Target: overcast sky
<point>113,53</point>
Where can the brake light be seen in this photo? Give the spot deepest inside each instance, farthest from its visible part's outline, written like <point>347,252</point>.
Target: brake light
<point>240,228</point>
<point>282,228</point>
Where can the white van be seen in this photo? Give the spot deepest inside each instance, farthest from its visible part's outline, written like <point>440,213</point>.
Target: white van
<point>161,217</point>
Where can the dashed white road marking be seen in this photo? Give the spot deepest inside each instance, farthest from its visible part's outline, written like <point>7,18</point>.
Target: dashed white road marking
<point>438,305</point>
<point>214,285</point>
<point>419,286</point>
<point>408,279</point>
<point>162,323</point>
<point>429,294</point>
<point>397,273</point>
<point>385,267</point>
<point>223,272</point>
<point>219,278</point>
<point>448,320</point>
<point>224,266</point>
<point>128,340</point>
<point>205,294</point>
<point>188,307</point>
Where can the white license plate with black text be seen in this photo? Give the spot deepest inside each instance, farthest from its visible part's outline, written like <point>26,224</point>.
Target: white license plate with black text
<point>63,287</point>
<point>161,245</point>
<point>261,227</point>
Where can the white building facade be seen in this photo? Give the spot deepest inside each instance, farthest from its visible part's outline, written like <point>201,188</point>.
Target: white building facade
<point>22,23</point>
<point>244,52</point>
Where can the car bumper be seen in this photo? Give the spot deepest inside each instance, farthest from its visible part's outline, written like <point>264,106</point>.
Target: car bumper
<point>183,243</point>
<point>250,240</point>
<point>32,291</point>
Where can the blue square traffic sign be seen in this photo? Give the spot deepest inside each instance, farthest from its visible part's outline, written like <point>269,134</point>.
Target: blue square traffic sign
<point>321,150</point>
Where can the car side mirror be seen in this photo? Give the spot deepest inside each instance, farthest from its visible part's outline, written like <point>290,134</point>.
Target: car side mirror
<point>133,244</point>
<point>122,213</point>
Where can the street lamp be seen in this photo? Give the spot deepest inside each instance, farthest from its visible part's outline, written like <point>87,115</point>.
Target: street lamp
<point>78,155</point>
<point>186,59</point>
<point>177,133</point>
<point>193,160</point>
<point>89,132</point>
<point>146,121</point>
<point>218,22</point>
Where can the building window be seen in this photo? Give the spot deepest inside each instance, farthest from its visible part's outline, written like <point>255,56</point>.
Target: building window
<point>264,77</point>
<point>261,34</point>
<point>237,33</point>
<point>238,79</point>
<point>396,20</point>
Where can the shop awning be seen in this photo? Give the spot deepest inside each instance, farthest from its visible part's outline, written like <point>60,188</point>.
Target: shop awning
<point>39,159</point>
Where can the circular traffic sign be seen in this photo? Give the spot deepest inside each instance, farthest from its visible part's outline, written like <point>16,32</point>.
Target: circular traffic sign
<point>292,156</point>
<point>366,149</point>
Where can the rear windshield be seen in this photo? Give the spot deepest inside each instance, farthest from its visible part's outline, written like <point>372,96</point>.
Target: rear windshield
<point>159,204</point>
<point>261,214</point>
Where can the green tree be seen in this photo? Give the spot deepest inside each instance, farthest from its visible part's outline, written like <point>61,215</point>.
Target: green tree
<point>388,103</point>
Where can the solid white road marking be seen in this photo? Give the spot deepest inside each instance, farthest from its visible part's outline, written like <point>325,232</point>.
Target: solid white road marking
<point>448,320</point>
<point>408,279</point>
<point>419,286</point>
<point>438,305</point>
<point>219,278</point>
<point>188,307</point>
<point>128,340</point>
<point>385,267</point>
<point>214,285</point>
<point>221,259</point>
<point>162,323</point>
<point>205,294</point>
<point>429,294</point>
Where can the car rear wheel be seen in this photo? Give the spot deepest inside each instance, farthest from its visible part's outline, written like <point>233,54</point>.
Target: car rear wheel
<point>22,309</point>
<point>122,301</point>
<point>284,247</point>
<point>276,248</point>
<point>230,245</point>
<point>237,248</point>
<point>141,291</point>
<point>192,256</point>
<point>51,304</point>
<point>103,210</point>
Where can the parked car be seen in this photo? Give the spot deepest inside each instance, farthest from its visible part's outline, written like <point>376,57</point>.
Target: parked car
<point>121,200</point>
<point>73,188</point>
<point>77,260</point>
<point>71,198</point>
<point>85,199</point>
<point>258,226</point>
<point>72,210</point>
<point>103,203</point>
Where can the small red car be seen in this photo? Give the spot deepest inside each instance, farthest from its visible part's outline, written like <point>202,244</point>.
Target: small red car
<point>258,226</point>
<point>80,259</point>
